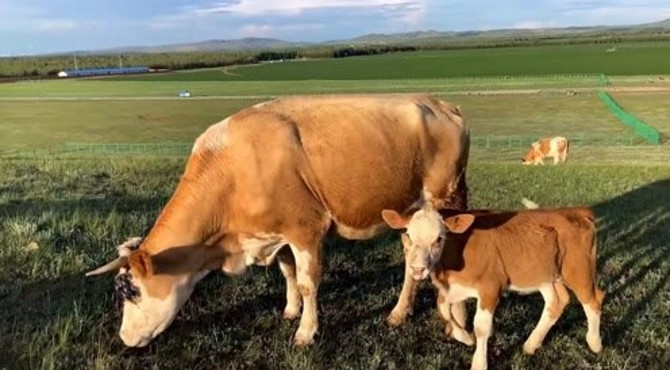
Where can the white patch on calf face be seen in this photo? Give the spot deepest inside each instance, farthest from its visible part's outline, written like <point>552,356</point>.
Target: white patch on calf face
<point>147,316</point>
<point>215,137</point>
<point>425,232</point>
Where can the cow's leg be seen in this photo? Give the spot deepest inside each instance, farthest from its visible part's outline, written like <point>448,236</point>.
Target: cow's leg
<point>553,308</point>
<point>287,267</point>
<point>308,266</point>
<point>405,300</point>
<point>556,158</point>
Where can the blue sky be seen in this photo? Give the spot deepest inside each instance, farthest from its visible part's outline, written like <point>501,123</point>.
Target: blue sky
<point>40,26</point>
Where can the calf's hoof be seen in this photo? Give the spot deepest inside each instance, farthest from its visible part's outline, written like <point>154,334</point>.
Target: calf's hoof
<point>478,365</point>
<point>595,344</point>
<point>530,348</point>
<point>464,337</point>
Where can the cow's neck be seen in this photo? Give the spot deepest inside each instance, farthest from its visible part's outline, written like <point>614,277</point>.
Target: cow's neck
<point>190,219</point>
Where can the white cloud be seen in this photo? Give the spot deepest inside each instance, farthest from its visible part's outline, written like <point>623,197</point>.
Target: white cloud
<point>533,25</point>
<point>295,7</point>
<point>622,14</point>
<point>256,30</point>
<point>263,12</point>
<point>56,25</point>
<point>263,30</point>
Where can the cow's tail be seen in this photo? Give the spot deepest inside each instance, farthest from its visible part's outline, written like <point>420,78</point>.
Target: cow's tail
<point>567,151</point>
<point>529,204</point>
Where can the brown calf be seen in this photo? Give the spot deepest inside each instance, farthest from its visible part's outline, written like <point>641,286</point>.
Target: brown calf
<point>485,254</point>
<point>554,147</point>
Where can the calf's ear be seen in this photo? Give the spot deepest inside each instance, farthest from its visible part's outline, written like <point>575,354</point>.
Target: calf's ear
<point>460,223</point>
<point>394,219</point>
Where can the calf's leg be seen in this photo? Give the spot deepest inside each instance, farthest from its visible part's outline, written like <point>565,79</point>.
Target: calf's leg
<point>554,304</point>
<point>454,315</point>
<point>483,327</point>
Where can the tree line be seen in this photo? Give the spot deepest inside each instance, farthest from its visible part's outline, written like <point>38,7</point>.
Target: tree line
<point>49,66</point>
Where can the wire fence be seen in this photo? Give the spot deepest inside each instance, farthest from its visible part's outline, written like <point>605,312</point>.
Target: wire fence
<point>182,149</point>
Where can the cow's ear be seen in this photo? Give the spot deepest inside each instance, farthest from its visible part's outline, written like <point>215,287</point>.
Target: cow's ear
<point>140,263</point>
<point>394,219</point>
<point>460,223</point>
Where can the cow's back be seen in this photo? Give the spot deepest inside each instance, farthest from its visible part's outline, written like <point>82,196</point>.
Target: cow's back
<point>358,154</point>
<point>369,153</point>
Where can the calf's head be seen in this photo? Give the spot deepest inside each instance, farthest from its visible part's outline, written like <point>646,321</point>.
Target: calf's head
<point>530,156</point>
<point>148,295</point>
<point>425,235</point>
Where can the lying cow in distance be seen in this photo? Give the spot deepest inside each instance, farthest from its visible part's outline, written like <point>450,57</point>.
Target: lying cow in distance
<point>270,181</point>
<point>556,147</point>
<point>481,255</point>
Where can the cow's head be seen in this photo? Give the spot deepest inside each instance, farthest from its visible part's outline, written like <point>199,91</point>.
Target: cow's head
<point>425,235</point>
<point>148,293</point>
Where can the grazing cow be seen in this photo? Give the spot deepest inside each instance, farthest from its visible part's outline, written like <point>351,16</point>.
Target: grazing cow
<point>481,255</point>
<point>271,180</point>
<point>556,147</point>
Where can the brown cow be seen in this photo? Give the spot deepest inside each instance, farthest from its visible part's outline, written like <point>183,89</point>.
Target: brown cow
<point>556,147</point>
<point>284,173</point>
<point>541,250</point>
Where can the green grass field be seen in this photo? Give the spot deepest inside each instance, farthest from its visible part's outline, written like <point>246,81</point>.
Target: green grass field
<point>35,124</point>
<point>628,59</point>
<point>61,214</point>
<point>62,217</point>
<point>108,88</point>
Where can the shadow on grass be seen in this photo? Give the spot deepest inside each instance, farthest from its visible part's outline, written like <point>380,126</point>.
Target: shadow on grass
<point>634,254</point>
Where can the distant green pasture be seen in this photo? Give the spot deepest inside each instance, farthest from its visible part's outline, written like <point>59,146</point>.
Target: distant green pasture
<point>622,59</point>
<point>103,88</point>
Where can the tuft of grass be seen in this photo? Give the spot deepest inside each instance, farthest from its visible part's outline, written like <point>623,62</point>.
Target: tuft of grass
<point>77,210</point>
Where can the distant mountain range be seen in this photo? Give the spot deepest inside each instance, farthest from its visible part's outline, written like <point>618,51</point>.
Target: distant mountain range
<point>255,43</point>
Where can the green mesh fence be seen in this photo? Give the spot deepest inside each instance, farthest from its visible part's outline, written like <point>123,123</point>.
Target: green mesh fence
<point>603,79</point>
<point>639,127</point>
<point>167,148</point>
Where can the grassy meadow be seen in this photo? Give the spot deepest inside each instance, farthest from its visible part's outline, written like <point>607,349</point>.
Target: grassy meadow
<point>106,88</point>
<point>36,123</point>
<point>61,215</point>
<point>626,59</point>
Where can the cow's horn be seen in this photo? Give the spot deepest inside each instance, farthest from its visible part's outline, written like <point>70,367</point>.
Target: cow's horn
<point>125,250</point>
<point>112,266</point>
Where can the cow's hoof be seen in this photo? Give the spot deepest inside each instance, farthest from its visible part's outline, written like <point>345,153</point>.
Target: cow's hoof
<point>303,338</point>
<point>395,320</point>
<point>291,313</point>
